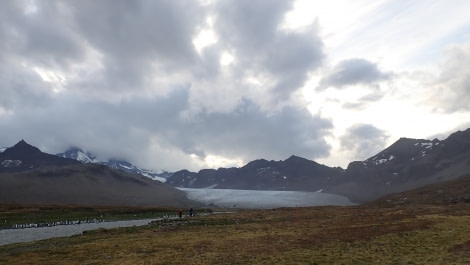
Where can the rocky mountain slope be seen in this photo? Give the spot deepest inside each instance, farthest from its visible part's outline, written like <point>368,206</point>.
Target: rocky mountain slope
<point>24,156</point>
<point>294,173</point>
<point>28,175</point>
<point>87,157</point>
<point>406,164</point>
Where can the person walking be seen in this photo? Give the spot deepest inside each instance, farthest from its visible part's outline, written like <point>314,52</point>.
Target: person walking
<point>180,213</point>
<point>190,211</point>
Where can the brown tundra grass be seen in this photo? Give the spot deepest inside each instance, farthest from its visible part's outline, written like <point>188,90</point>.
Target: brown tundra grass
<point>318,235</point>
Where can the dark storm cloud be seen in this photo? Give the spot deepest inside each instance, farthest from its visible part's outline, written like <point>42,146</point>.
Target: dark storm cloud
<point>125,130</point>
<point>43,37</point>
<point>249,132</point>
<point>363,140</point>
<point>138,38</point>
<point>353,72</point>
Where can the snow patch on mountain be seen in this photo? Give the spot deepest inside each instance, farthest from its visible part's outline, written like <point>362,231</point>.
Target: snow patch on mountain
<point>427,145</point>
<point>11,163</point>
<point>78,154</point>
<point>86,157</point>
<point>378,161</point>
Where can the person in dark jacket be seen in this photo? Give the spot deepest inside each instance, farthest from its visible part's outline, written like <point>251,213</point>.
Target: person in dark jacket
<point>180,213</point>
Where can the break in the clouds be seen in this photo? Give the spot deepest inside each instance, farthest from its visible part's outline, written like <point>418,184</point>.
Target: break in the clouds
<point>195,84</point>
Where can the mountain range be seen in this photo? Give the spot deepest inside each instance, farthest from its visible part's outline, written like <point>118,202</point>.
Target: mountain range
<point>30,176</point>
<point>86,157</point>
<point>406,164</point>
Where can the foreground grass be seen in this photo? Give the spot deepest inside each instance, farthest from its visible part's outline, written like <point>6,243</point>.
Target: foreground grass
<point>319,235</point>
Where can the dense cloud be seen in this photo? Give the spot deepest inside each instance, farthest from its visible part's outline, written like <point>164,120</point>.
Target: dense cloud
<point>363,141</point>
<point>452,87</point>
<point>173,84</point>
<point>123,79</point>
<point>353,72</point>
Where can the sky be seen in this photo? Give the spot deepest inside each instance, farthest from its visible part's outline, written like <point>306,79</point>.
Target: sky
<point>170,85</point>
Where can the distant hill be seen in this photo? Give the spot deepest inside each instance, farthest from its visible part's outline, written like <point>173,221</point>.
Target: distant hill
<point>443,193</point>
<point>28,175</point>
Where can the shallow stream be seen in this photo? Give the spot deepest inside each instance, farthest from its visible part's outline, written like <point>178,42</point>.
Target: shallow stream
<point>10,236</point>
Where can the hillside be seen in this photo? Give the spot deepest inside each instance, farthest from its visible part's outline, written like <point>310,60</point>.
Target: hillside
<point>30,176</point>
<point>23,156</point>
<point>405,165</point>
<point>456,191</point>
<point>87,185</point>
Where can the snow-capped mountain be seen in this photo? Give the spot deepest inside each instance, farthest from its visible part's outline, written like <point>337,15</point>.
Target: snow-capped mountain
<point>78,154</point>
<point>3,149</point>
<point>31,176</point>
<point>87,157</point>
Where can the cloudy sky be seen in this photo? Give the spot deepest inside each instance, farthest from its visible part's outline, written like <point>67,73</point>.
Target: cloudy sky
<point>207,84</point>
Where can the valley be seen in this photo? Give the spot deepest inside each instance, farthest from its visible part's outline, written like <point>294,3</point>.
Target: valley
<point>420,226</point>
<point>406,234</point>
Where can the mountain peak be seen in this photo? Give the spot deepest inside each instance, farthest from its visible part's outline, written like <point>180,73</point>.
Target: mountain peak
<point>77,153</point>
<point>23,156</point>
<point>20,149</point>
<point>294,157</point>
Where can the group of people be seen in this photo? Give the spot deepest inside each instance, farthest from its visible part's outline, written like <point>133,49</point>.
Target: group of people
<point>180,212</point>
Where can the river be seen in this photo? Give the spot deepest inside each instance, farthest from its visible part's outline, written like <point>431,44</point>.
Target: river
<point>10,236</point>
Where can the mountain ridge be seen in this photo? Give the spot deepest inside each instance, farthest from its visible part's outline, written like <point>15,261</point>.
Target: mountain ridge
<point>30,176</point>
<point>87,157</point>
<point>408,163</point>
<point>23,156</point>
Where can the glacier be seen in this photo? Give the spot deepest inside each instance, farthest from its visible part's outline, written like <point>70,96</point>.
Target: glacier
<point>262,199</point>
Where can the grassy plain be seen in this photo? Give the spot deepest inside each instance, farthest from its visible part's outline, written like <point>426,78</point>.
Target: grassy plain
<point>418,234</point>
<point>45,214</point>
